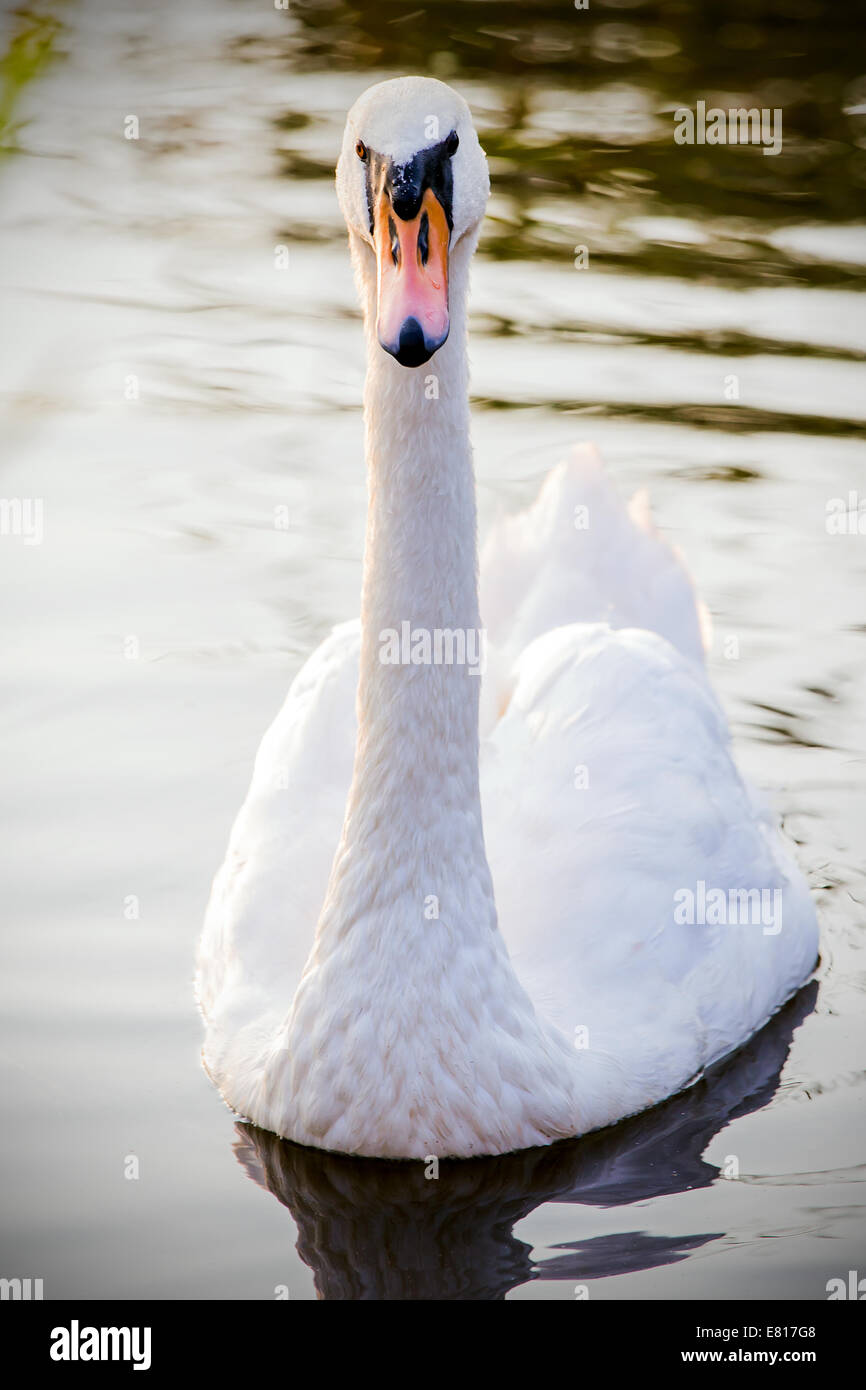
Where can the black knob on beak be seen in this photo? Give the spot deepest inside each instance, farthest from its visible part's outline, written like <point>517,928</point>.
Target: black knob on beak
<point>412,348</point>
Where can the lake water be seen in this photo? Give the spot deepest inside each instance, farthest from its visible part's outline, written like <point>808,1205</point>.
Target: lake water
<point>166,388</point>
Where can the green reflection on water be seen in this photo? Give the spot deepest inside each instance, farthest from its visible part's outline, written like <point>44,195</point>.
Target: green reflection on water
<point>30,46</point>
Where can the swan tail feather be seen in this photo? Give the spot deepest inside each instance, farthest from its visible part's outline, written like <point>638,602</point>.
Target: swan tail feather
<point>580,554</point>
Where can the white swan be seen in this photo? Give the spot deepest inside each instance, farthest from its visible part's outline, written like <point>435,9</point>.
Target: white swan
<point>363,988</point>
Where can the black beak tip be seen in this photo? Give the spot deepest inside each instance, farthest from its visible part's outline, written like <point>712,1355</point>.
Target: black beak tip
<point>412,349</point>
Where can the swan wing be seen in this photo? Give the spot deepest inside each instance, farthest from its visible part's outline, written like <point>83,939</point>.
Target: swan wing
<point>266,897</point>
<point>610,793</point>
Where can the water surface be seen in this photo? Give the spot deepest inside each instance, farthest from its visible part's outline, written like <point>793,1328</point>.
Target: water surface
<point>168,393</point>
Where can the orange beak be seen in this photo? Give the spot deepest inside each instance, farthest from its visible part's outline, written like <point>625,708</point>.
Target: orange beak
<point>412,260</point>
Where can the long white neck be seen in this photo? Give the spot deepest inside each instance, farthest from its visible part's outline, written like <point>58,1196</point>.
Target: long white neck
<point>409,1033</point>
<point>414,808</point>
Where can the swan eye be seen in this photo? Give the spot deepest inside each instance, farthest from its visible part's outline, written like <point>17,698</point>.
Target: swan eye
<point>451,143</point>
<point>361,149</point>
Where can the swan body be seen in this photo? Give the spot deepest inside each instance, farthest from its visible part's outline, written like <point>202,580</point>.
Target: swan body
<point>364,987</point>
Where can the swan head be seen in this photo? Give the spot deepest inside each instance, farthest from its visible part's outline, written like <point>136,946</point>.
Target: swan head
<point>412,182</point>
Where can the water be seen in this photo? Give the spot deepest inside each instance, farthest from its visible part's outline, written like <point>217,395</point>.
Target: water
<point>151,636</point>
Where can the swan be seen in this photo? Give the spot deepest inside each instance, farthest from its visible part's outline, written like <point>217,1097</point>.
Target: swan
<point>490,887</point>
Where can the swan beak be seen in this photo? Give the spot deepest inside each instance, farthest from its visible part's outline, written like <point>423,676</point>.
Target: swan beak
<point>412,259</point>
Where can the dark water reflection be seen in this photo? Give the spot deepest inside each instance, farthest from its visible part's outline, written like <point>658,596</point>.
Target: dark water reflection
<point>371,1229</point>
<point>583,109</point>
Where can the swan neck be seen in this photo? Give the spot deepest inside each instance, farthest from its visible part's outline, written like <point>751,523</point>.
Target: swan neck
<point>414,806</point>
<point>421,641</point>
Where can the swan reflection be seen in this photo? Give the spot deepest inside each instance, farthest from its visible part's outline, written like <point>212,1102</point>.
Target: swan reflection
<point>375,1229</point>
